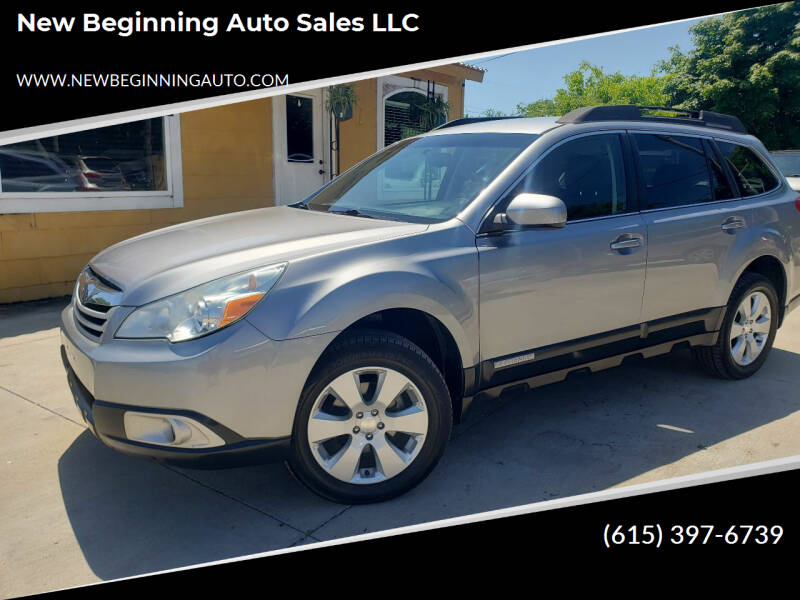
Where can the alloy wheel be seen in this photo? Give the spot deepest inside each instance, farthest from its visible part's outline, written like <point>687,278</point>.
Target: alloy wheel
<point>368,425</point>
<point>750,328</point>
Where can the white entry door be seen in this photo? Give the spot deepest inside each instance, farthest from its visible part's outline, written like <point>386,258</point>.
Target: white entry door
<point>301,147</point>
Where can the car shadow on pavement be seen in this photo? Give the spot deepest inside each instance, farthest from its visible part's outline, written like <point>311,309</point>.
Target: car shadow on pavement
<point>588,433</point>
<point>132,515</point>
<point>31,317</point>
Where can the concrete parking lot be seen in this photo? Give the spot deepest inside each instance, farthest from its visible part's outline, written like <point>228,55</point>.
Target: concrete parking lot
<point>74,512</point>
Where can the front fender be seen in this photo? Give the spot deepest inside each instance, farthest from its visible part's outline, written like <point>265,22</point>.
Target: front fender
<point>435,272</point>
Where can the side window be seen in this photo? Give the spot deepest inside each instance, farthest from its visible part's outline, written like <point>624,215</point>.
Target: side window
<point>587,173</point>
<point>720,186</point>
<point>751,174</point>
<point>674,170</point>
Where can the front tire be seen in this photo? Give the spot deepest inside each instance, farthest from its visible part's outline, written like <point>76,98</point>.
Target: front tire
<point>748,330</point>
<point>373,419</point>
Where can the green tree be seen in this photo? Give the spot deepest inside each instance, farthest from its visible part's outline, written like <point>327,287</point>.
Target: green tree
<point>590,85</point>
<point>545,107</point>
<point>492,112</point>
<point>745,64</point>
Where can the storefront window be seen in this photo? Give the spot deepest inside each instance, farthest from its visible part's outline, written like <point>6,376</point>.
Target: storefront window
<point>127,160</point>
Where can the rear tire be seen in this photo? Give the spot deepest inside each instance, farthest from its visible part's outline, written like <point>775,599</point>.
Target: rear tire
<point>373,419</point>
<point>747,332</point>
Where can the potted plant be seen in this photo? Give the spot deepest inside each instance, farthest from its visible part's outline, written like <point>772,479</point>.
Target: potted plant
<point>340,102</point>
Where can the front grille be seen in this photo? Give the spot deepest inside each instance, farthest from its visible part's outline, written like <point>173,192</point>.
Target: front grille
<point>91,319</point>
<point>92,302</point>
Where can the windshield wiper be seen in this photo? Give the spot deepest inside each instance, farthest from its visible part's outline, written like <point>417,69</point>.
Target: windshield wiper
<point>302,205</point>
<point>352,212</point>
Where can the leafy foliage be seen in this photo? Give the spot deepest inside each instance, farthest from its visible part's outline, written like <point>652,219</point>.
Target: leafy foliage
<point>433,112</point>
<point>424,114</point>
<point>545,107</point>
<point>341,99</point>
<point>491,112</point>
<point>590,85</point>
<point>745,64</point>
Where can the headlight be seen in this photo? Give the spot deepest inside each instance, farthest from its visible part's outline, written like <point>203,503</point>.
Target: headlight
<point>202,309</point>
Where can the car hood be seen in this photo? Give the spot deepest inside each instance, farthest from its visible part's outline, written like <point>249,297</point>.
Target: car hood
<point>173,259</point>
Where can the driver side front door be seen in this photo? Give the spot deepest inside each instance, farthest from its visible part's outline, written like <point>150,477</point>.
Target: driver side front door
<point>559,296</point>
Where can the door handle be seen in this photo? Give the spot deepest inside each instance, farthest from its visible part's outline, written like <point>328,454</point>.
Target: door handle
<point>732,224</point>
<point>625,243</point>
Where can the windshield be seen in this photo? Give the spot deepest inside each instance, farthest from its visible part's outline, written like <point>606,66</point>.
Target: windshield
<point>425,179</point>
<point>789,164</point>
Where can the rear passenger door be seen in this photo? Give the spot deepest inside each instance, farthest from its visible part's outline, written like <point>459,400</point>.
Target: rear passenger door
<point>694,215</point>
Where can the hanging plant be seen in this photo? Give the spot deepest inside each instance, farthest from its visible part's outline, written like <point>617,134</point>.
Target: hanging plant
<point>406,131</point>
<point>341,100</point>
<point>433,112</point>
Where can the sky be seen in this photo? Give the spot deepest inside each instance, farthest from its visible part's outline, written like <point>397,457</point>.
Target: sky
<point>534,74</point>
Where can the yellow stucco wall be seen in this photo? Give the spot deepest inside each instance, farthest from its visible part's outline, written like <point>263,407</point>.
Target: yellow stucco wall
<point>358,134</point>
<point>227,166</point>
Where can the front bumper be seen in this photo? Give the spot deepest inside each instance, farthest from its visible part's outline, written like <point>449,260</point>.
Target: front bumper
<point>106,422</point>
<point>238,384</point>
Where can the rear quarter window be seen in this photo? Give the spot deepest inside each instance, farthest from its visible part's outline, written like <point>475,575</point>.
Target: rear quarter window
<point>752,175</point>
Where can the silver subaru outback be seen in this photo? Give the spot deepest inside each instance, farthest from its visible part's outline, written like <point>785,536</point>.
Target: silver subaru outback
<point>346,333</point>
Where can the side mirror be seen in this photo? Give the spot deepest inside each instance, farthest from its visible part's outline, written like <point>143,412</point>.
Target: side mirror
<point>537,209</point>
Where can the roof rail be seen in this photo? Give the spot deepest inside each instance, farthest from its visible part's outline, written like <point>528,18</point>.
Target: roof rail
<point>633,112</point>
<point>467,120</point>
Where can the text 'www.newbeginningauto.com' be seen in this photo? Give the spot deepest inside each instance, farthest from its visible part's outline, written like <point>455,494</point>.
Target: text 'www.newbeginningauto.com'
<point>142,80</point>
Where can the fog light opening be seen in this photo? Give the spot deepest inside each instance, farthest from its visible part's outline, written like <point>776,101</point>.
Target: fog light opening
<point>169,430</point>
<point>181,432</point>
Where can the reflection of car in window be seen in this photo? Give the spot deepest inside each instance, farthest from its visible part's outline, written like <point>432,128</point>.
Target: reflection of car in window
<point>105,161</point>
<point>102,173</point>
<point>347,332</point>
<point>26,172</point>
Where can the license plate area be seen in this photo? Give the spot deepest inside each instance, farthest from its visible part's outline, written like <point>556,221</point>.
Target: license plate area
<point>79,362</point>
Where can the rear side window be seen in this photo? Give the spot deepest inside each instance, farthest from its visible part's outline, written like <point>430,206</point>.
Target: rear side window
<point>751,174</point>
<point>675,171</point>
<point>588,175</point>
